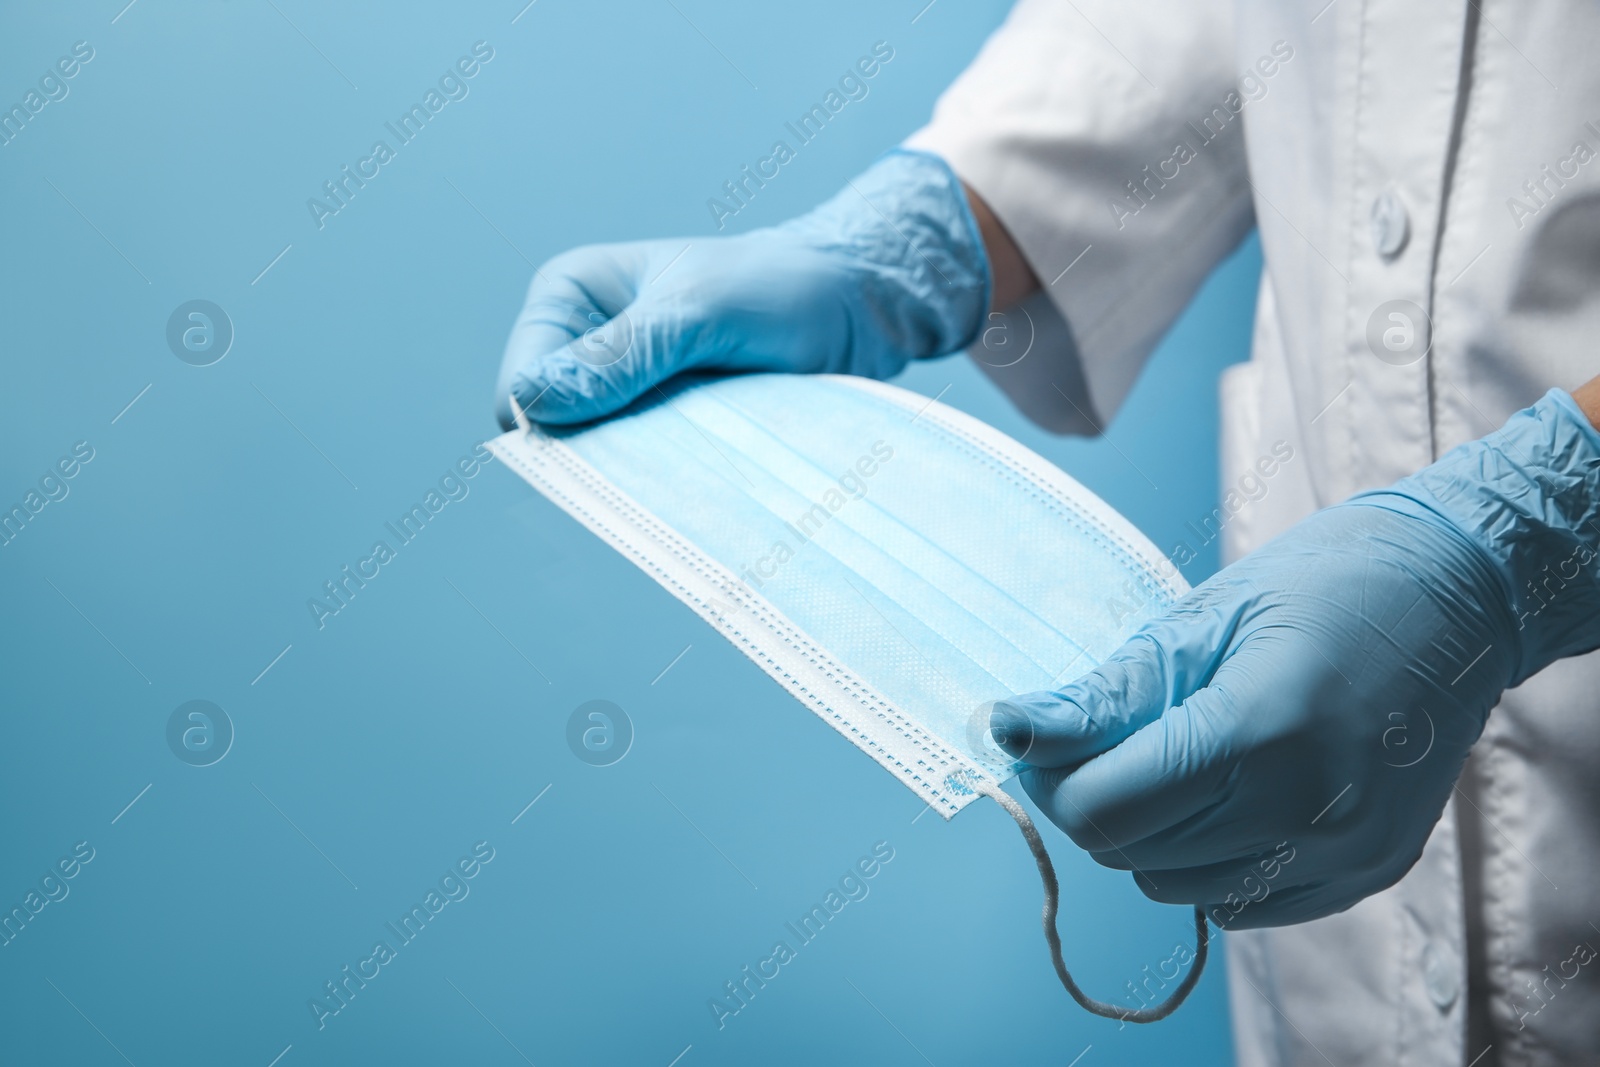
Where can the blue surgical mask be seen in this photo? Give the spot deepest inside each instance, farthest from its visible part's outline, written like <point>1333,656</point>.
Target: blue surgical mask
<point>893,563</point>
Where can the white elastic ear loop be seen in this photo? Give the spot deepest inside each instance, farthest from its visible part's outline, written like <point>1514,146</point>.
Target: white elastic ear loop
<point>1052,895</point>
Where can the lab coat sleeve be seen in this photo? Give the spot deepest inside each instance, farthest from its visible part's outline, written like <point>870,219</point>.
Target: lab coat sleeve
<point>1106,137</point>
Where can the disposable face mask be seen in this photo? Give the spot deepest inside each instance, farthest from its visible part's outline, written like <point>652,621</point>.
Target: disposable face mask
<point>894,564</point>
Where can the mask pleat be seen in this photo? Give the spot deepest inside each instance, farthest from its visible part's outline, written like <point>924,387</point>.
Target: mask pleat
<point>915,559</point>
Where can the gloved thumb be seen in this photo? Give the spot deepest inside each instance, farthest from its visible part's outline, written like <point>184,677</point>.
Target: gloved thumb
<point>586,344</point>
<point>1156,669</point>
<point>602,370</point>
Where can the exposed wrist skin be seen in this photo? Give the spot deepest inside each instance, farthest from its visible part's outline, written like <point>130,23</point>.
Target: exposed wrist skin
<point>1587,397</point>
<point>1013,280</point>
<point>1528,496</point>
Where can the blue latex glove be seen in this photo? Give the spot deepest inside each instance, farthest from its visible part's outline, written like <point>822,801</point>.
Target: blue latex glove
<point>1280,744</point>
<point>890,269</point>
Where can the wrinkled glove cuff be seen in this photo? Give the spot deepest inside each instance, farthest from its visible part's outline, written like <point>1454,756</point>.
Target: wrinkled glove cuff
<point>1528,495</point>
<point>924,279</point>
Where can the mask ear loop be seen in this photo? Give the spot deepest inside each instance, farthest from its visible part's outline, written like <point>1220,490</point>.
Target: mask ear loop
<point>1052,892</point>
<point>1052,896</point>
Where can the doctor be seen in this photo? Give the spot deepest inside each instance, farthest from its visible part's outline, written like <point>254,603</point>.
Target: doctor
<point>1389,679</point>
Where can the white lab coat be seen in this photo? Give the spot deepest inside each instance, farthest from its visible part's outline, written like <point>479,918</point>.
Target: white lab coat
<point>1443,154</point>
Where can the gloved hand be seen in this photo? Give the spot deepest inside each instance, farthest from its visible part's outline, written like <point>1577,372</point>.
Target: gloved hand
<point>1280,744</point>
<point>890,269</point>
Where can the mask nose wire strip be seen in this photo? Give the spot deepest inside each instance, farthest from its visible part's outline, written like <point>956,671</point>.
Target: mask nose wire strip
<point>1052,895</point>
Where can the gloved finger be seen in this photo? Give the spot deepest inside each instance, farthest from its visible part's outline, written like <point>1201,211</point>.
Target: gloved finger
<point>1243,880</point>
<point>1303,903</point>
<point>1201,840</point>
<point>575,344</point>
<point>604,370</point>
<point>1172,768</point>
<point>1154,670</point>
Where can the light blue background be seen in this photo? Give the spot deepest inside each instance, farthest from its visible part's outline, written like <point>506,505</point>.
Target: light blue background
<point>413,725</point>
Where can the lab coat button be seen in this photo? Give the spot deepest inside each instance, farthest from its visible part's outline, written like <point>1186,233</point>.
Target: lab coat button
<point>1390,224</point>
<point>1440,978</point>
